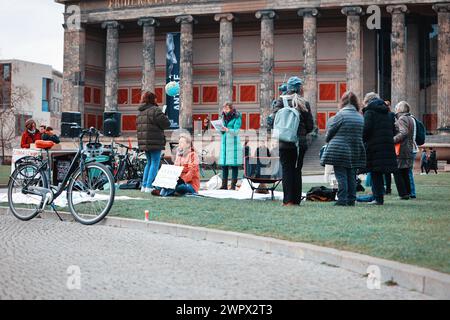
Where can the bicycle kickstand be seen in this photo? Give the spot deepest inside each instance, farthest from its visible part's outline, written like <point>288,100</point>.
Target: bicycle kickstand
<point>56,211</point>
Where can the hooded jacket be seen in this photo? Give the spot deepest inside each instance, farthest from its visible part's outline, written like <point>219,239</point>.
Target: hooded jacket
<point>151,123</point>
<point>378,137</point>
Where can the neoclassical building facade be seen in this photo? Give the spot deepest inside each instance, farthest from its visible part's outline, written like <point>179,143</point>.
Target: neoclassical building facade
<point>241,51</point>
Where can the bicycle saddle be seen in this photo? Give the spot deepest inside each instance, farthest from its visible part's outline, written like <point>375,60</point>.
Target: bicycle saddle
<point>45,145</point>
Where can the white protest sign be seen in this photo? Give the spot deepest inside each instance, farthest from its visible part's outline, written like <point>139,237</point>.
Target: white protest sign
<point>20,153</point>
<point>218,125</point>
<point>167,176</point>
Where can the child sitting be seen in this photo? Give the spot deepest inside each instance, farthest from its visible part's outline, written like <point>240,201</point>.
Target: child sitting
<point>48,135</point>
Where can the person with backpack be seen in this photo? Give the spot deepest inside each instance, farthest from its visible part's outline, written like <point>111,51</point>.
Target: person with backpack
<point>231,155</point>
<point>405,146</point>
<point>345,150</point>
<point>292,121</point>
<point>378,137</point>
<point>151,123</point>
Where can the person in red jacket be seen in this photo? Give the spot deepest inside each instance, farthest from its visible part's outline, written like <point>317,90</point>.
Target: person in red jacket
<point>30,135</point>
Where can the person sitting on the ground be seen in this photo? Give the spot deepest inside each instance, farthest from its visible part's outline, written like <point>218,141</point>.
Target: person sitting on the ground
<point>189,181</point>
<point>48,135</point>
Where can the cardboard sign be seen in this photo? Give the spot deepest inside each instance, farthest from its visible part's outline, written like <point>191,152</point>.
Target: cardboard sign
<point>167,176</point>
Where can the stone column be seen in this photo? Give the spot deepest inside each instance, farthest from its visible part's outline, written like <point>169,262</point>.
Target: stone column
<point>267,81</point>
<point>310,56</point>
<point>186,64</point>
<point>413,72</point>
<point>354,59</point>
<point>148,53</point>
<point>443,69</point>
<point>74,68</point>
<point>225,58</point>
<point>398,53</point>
<point>112,64</point>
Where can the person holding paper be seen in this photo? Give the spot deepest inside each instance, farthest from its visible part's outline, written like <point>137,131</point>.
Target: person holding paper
<point>151,123</point>
<point>231,148</point>
<point>189,181</point>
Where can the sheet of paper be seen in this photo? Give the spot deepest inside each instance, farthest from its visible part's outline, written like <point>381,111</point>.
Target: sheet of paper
<point>167,176</point>
<point>217,124</point>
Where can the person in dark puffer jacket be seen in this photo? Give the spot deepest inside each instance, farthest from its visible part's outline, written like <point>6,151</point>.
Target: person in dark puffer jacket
<point>151,123</point>
<point>345,150</point>
<point>378,136</point>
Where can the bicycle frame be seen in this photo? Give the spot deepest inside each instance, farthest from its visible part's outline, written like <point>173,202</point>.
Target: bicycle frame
<point>76,163</point>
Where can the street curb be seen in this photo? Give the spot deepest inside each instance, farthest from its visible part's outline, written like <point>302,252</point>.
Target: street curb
<point>432,283</point>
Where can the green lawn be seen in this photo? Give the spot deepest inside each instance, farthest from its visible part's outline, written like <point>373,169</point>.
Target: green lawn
<point>415,232</point>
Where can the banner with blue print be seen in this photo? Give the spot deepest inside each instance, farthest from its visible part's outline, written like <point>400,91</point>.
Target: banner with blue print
<point>173,74</point>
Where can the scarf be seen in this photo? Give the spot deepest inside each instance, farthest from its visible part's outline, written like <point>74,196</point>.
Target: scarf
<point>32,132</point>
<point>227,117</point>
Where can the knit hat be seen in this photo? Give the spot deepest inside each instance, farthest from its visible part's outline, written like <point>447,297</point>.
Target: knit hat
<point>283,88</point>
<point>294,84</point>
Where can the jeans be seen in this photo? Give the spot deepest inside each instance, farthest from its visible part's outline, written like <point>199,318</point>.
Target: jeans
<point>411,177</point>
<point>346,178</point>
<point>151,168</point>
<point>234,172</point>
<point>378,186</point>
<point>181,189</point>
<point>292,164</point>
<point>402,182</point>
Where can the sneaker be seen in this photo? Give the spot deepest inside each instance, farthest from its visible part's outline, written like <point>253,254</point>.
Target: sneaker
<point>404,198</point>
<point>413,197</point>
<point>148,190</point>
<point>142,189</point>
<point>375,203</point>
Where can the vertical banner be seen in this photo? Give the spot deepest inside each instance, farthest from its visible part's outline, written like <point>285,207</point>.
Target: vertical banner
<point>173,74</point>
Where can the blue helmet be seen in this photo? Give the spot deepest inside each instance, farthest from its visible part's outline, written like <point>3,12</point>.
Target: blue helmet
<point>283,88</point>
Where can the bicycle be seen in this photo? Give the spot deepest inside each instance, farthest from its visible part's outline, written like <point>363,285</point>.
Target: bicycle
<point>129,165</point>
<point>89,185</point>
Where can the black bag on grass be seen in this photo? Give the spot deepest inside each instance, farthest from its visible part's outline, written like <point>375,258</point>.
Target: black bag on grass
<point>132,184</point>
<point>321,194</point>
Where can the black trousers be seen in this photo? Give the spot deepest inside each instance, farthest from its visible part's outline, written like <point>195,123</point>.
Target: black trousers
<point>388,180</point>
<point>292,163</point>
<point>402,182</point>
<point>378,186</point>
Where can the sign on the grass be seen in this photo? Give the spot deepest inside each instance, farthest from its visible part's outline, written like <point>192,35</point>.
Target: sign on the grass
<point>167,176</point>
<point>19,154</point>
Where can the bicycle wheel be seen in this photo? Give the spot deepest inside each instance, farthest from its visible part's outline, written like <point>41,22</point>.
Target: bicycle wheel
<point>23,205</point>
<point>90,194</point>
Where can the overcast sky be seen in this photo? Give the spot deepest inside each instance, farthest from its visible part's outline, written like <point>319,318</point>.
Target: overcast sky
<point>32,30</point>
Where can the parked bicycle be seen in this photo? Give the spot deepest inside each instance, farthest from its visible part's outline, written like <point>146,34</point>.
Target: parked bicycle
<point>129,165</point>
<point>89,185</point>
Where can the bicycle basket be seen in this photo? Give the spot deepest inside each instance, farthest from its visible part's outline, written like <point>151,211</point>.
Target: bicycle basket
<point>93,149</point>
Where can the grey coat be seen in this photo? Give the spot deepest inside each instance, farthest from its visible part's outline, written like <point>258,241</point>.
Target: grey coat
<point>344,137</point>
<point>404,126</point>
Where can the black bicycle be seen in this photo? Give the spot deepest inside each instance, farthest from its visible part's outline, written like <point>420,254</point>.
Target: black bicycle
<point>128,165</point>
<point>89,185</point>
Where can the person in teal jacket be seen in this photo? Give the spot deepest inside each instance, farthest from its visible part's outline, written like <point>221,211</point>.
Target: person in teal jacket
<point>231,148</point>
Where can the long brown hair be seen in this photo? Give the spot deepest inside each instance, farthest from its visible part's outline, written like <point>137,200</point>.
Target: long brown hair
<point>149,98</point>
<point>349,98</point>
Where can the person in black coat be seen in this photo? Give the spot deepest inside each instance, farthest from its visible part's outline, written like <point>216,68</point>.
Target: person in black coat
<point>378,136</point>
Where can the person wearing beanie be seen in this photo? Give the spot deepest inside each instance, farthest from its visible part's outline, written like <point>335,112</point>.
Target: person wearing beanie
<point>292,154</point>
<point>30,135</point>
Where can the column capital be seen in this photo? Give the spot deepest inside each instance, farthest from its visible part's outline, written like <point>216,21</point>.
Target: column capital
<point>396,9</point>
<point>441,7</point>
<point>265,14</point>
<point>148,21</point>
<point>224,16</point>
<point>352,11</point>
<point>185,19</point>
<point>111,25</point>
<point>308,12</point>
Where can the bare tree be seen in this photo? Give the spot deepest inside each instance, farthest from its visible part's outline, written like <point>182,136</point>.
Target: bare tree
<point>12,102</point>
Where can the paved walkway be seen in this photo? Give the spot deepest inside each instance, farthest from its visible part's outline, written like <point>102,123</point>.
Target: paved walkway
<point>131,264</point>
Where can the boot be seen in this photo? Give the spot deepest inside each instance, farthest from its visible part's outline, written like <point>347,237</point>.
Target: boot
<point>233,184</point>
<point>224,184</point>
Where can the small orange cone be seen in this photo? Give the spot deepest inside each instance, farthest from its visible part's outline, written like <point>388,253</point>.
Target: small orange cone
<point>147,215</point>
